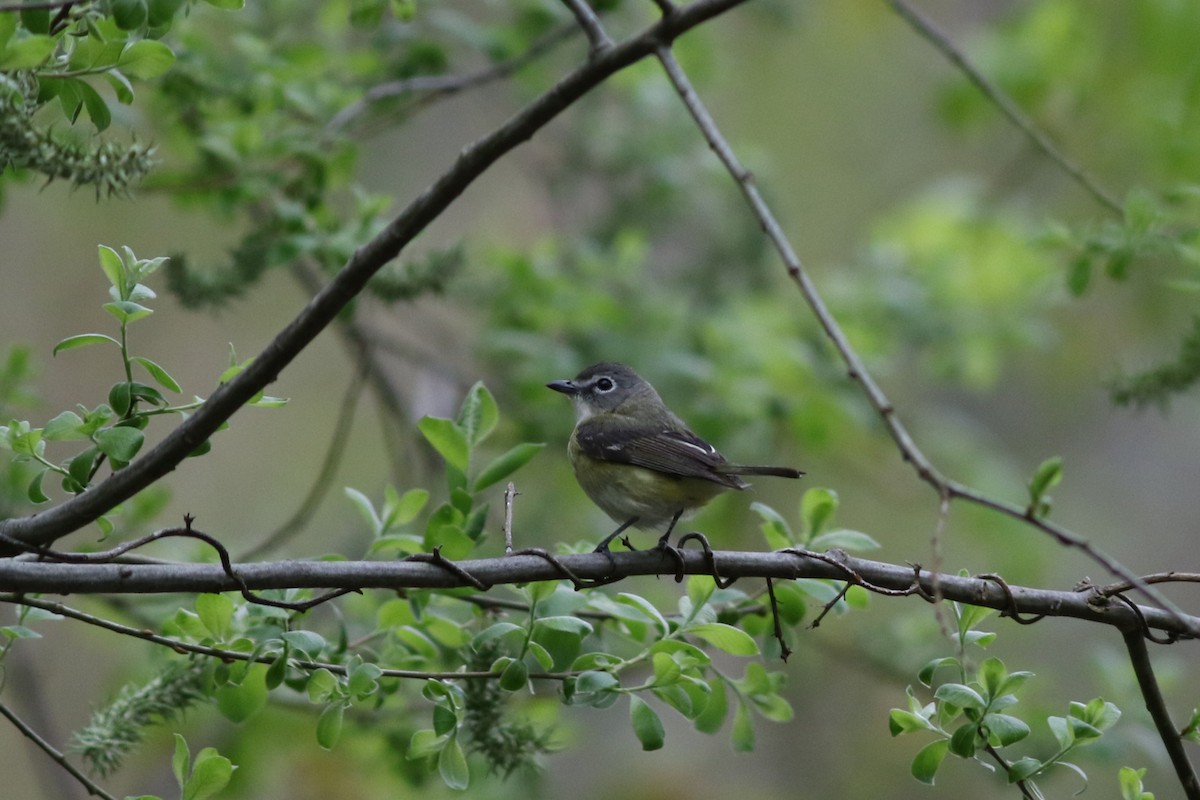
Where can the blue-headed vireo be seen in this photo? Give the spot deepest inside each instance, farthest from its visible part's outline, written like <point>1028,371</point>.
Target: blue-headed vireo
<point>638,461</point>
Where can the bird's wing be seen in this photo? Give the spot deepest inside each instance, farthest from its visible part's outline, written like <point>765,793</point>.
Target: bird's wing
<point>672,452</point>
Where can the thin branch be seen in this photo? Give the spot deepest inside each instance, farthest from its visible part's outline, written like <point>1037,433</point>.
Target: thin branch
<point>1139,657</point>
<point>929,31</point>
<point>510,495</point>
<point>55,755</point>
<point>441,86</point>
<point>856,369</point>
<point>302,516</point>
<point>597,38</point>
<point>472,162</point>
<point>876,576</point>
<point>180,646</point>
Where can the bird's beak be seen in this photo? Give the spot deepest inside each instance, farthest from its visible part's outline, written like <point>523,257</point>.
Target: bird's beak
<point>566,387</point>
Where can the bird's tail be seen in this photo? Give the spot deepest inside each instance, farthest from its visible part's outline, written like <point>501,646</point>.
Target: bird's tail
<point>744,469</point>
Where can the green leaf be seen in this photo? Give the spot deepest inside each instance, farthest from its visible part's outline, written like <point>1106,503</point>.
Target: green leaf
<point>216,614</point>
<point>97,108</point>
<point>329,725</point>
<point>1023,769</point>
<point>1080,275</point>
<point>646,607</point>
<point>901,721</point>
<point>666,669</point>
<point>160,375</point>
<point>404,509</point>
<point>119,444</point>
<point>567,624</point>
<point>1004,730</point>
<point>742,737</point>
<point>775,528</point>
<point>238,702</point>
<point>448,439</point>
<point>181,760</point>
<point>1045,477</point>
<point>34,491</point>
<point>1130,780</point>
<point>960,695</point>
<point>365,508</point>
<point>594,681</point>
<point>732,640</point>
<point>120,397</point>
<point>498,630</point>
<point>452,765</point>
<point>715,710</point>
<point>210,775</point>
<point>127,311</point>
<point>965,740</point>
<point>310,643</point>
<point>120,85</point>
<point>26,53</point>
<point>129,14</point>
<point>506,464</point>
<point>646,725</point>
<point>82,340</point>
<point>228,5</point>
<point>146,59</point>
<point>515,676</point>
<point>35,20</point>
<point>277,671</point>
<point>816,509</point>
<point>478,416</point>
<point>928,759</point>
<point>843,539</point>
<point>991,675</point>
<point>114,268</point>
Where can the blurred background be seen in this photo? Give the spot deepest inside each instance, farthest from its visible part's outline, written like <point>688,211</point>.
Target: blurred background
<point>988,293</point>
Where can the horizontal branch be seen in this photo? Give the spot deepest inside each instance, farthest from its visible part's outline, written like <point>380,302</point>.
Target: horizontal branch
<point>17,575</point>
<point>472,162</point>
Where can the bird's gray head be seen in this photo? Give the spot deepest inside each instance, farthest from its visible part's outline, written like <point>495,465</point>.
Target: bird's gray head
<point>606,387</point>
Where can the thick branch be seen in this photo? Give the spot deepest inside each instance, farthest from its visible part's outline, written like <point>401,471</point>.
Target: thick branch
<point>17,575</point>
<point>83,509</point>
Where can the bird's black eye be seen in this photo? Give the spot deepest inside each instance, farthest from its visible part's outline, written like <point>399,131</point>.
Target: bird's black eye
<point>605,385</point>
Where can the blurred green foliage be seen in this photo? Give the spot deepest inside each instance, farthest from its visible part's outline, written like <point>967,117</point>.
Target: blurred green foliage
<point>271,123</point>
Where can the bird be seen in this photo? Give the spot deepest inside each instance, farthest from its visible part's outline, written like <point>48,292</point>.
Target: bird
<point>638,461</point>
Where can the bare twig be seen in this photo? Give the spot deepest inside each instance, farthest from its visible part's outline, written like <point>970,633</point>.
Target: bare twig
<point>856,369</point>
<point>1007,106</point>
<point>229,397</point>
<point>302,516</point>
<point>55,755</point>
<point>180,646</point>
<point>510,494</point>
<point>597,37</point>
<point>1139,657</point>
<point>432,87</point>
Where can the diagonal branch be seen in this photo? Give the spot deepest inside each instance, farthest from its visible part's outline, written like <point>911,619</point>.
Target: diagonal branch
<point>857,370</point>
<point>1007,106</point>
<point>474,160</point>
<point>55,755</point>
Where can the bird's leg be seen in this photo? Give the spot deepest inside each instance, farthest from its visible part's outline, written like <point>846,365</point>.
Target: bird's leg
<point>603,546</point>
<point>664,544</point>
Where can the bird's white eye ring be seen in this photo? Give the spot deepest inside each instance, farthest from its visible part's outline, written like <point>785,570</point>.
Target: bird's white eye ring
<point>605,385</point>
